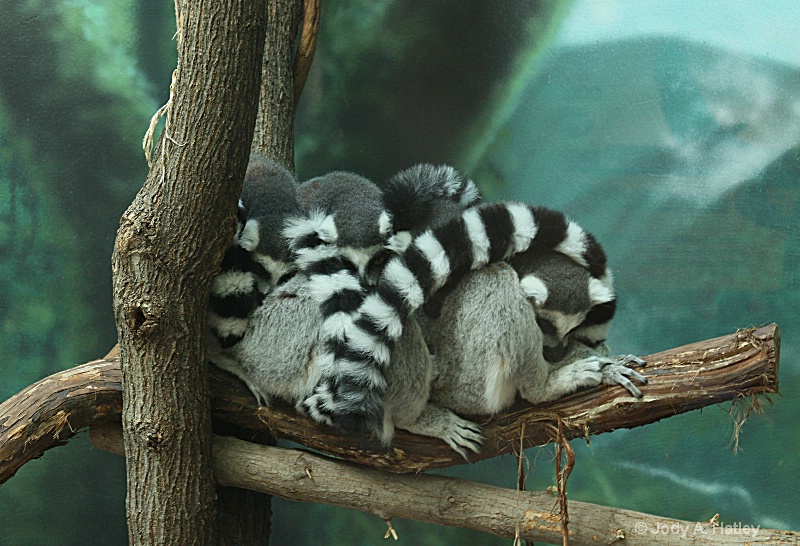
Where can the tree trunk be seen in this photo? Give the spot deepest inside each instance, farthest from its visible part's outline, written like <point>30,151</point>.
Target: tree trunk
<point>168,246</point>
<point>274,131</point>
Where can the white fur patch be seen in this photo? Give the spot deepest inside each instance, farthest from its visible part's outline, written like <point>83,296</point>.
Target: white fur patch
<point>470,195</point>
<point>398,275</point>
<point>600,292</point>
<point>385,223</point>
<point>276,268</point>
<point>478,238</point>
<point>534,288</point>
<point>565,322</point>
<point>356,369</point>
<point>326,364</point>
<point>574,244</point>
<point>337,326</point>
<point>499,389</point>
<point>231,283</point>
<point>316,222</point>
<point>362,341</point>
<point>359,257</point>
<point>525,227</point>
<point>399,241</point>
<point>432,249</point>
<point>450,178</point>
<point>382,314</point>
<point>322,287</point>
<point>249,237</point>
<point>306,256</point>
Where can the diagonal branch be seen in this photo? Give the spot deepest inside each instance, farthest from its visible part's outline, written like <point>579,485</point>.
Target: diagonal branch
<point>742,364</point>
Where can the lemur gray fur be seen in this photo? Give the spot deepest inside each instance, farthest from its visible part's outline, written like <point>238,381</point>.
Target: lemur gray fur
<point>279,355</point>
<point>500,323</point>
<point>350,390</point>
<point>256,260</point>
<point>258,256</point>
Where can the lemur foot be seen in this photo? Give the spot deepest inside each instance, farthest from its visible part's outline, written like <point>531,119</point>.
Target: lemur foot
<point>618,371</point>
<point>462,435</point>
<point>458,433</point>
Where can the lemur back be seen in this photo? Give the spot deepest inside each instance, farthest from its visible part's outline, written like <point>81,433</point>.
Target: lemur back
<point>492,337</point>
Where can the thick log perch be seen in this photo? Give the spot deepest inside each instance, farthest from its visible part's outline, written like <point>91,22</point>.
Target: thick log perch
<point>305,477</point>
<point>49,412</point>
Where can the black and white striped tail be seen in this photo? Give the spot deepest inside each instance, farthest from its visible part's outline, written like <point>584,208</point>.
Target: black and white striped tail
<point>351,396</point>
<point>423,196</point>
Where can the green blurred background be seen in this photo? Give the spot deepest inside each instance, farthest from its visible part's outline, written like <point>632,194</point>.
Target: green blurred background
<point>670,130</point>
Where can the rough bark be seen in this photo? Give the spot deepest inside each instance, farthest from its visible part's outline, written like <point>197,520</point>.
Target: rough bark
<point>305,477</point>
<point>169,241</point>
<point>680,380</point>
<point>49,412</point>
<point>274,131</point>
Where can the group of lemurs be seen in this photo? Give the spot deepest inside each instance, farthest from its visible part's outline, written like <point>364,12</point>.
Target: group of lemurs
<point>372,309</point>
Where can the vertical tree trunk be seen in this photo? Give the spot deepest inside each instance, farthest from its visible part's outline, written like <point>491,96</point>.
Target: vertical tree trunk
<point>245,517</point>
<point>168,246</point>
<point>274,132</point>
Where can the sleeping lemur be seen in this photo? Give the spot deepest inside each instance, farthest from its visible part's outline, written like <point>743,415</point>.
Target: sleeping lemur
<point>254,262</point>
<point>255,259</point>
<point>349,223</point>
<point>535,327</point>
<point>350,390</point>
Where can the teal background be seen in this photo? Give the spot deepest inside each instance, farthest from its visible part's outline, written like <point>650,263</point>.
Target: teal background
<point>671,130</point>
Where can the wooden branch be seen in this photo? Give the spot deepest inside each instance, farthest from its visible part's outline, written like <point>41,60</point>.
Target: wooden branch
<point>301,476</point>
<point>680,380</point>
<point>50,411</point>
<point>274,130</point>
<point>306,46</point>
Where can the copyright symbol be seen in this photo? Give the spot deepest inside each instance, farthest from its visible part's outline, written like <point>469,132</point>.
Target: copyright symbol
<point>640,527</point>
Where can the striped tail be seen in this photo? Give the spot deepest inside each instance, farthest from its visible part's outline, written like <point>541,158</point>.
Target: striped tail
<point>350,394</point>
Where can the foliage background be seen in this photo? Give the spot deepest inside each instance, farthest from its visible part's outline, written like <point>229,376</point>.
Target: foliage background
<point>670,130</point>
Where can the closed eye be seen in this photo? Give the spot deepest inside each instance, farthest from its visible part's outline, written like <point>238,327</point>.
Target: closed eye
<point>546,326</point>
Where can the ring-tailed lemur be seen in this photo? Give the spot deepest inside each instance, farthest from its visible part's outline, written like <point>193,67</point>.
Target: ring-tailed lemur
<point>258,256</point>
<point>500,324</point>
<point>350,391</point>
<point>256,260</point>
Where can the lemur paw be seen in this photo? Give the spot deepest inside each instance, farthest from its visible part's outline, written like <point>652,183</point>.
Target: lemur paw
<point>618,371</point>
<point>462,435</point>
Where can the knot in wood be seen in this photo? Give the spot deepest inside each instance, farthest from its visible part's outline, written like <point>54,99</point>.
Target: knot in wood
<point>143,319</point>
<point>151,437</point>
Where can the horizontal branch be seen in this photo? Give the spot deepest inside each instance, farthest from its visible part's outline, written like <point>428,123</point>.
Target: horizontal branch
<point>50,411</point>
<point>301,476</point>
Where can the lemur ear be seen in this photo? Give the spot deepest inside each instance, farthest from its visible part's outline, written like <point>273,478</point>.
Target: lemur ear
<point>534,288</point>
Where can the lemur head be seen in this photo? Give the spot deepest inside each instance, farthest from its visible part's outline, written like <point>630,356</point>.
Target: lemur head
<point>570,304</point>
<point>362,224</point>
<point>269,197</point>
